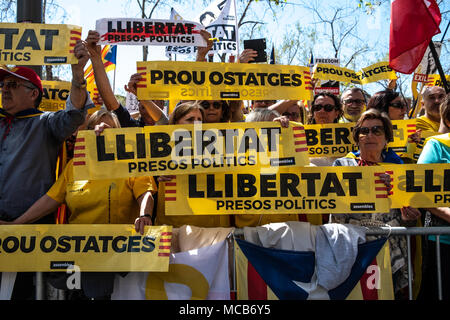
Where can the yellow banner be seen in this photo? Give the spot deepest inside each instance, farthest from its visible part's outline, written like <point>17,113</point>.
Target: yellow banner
<point>336,139</point>
<point>55,95</point>
<point>309,190</point>
<point>282,191</point>
<point>181,149</point>
<point>372,73</point>
<point>174,80</point>
<point>415,149</point>
<point>93,247</point>
<point>434,80</point>
<point>38,44</point>
<point>420,185</point>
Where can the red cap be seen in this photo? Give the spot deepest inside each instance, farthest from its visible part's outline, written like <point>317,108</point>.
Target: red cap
<point>22,73</point>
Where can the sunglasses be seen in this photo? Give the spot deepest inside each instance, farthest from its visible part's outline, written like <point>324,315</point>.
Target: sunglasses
<point>398,105</point>
<point>327,107</point>
<point>376,130</point>
<point>205,104</point>
<point>354,101</point>
<point>13,85</point>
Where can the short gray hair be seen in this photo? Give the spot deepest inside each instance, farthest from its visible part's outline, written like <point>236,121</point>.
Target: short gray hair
<point>261,114</point>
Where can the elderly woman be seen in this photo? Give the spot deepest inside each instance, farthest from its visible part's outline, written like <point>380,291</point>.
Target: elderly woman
<point>437,150</point>
<point>371,134</point>
<point>111,201</point>
<point>390,102</point>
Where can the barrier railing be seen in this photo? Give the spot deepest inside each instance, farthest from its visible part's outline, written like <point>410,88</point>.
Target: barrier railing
<point>373,231</point>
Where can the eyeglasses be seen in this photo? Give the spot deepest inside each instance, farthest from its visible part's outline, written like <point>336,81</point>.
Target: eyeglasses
<point>354,101</point>
<point>205,104</point>
<point>291,114</point>
<point>326,107</point>
<point>13,85</point>
<point>398,105</point>
<point>376,130</point>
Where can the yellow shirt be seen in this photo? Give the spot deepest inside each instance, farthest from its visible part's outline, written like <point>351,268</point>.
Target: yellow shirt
<point>203,221</point>
<point>426,124</point>
<point>100,201</point>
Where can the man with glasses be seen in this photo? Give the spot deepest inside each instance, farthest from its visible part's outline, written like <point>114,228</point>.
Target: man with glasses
<point>30,141</point>
<point>354,103</point>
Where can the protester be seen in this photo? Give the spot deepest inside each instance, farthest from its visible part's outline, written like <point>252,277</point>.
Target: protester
<point>325,108</point>
<point>390,102</point>
<point>30,141</point>
<point>296,112</point>
<point>185,113</point>
<point>253,220</point>
<point>437,150</point>
<point>432,99</point>
<point>262,103</point>
<point>108,201</point>
<point>215,111</point>
<point>151,112</point>
<point>354,103</point>
<point>371,134</point>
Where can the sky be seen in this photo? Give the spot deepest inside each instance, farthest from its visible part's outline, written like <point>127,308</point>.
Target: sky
<point>373,29</point>
<point>84,13</point>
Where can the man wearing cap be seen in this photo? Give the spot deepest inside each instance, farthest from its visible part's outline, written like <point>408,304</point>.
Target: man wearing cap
<point>30,141</point>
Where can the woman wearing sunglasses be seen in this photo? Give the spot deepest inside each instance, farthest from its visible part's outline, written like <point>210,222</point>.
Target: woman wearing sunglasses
<point>390,102</point>
<point>326,108</point>
<point>215,111</point>
<point>371,134</point>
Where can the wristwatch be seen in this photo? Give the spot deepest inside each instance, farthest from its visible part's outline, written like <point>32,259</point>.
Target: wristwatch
<point>80,85</point>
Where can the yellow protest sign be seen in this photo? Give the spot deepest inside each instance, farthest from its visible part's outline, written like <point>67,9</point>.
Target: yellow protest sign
<point>372,73</point>
<point>38,44</point>
<point>175,80</point>
<point>55,95</point>
<point>282,191</point>
<point>309,190</point>
<point>336,139</point>
<point>181,149</point>
<point>420,185</point>
<point>90,247</point>
<point>434,80</point>
<point>415,149</point>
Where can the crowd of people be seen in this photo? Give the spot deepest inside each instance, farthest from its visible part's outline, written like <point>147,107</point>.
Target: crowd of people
<point>30,191</point>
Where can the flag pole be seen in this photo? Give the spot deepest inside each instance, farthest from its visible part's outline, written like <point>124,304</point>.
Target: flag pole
<point>114,81</point>
<point>439,66</point>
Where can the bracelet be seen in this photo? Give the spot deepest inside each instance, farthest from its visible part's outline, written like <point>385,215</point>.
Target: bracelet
<point>146,215</point>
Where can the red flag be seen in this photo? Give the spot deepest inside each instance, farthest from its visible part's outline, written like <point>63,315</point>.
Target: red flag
<point>413,25</point>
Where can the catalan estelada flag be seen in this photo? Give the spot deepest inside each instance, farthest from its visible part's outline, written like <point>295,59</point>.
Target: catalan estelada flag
<point>109,58</point>
<point>272,274</point>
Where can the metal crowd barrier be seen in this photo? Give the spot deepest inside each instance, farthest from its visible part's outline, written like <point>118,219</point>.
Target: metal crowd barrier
<point>373,231</point>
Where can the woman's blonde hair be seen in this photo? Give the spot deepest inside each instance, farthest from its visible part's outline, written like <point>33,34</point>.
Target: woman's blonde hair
<point>183,109</point>
<point>96,117</point>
